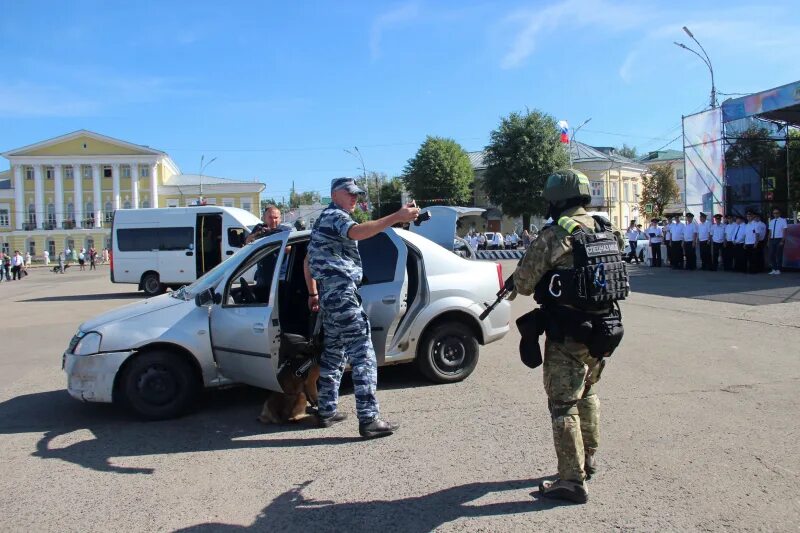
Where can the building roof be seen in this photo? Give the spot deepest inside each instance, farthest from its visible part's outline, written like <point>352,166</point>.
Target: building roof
<point>662,155</point>
<point>82,133</point>
<point>476,159</point>
<point>181,180</point>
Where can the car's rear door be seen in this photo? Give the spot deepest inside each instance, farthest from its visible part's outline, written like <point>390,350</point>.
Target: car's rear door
<point>384,291</point>
<point>245,327</point>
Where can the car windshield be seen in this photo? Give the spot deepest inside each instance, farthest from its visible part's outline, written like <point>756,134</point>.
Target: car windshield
<point>211,279</point>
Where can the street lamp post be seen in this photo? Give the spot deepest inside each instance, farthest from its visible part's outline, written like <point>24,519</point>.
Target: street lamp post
<point>202,168</point>
<point>572,138</point>
<point>357,155</point>
<point>705,59</point>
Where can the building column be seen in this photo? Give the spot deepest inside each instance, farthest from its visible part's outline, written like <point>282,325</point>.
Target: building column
<point>98,195</point>
<point>115,201</point>
<point>154,184</point>
<point>19,197</point>
<point>59,200</point>
<point>38,187</point>
<point>135,185</point>
<point>77,203</point>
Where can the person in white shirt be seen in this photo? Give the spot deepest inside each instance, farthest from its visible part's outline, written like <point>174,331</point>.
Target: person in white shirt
<point>739,256</point>
<point>690,242</point>
<point>761,244</point>
<point>481,242</point>
<point>46,255</point>
<point>718,231</point>
<point>676,233</point>
<point>632,235</point>
<point>704,241</point>
<point>751,230</point>
<point>17,264</point>
<point>497,240</point>
<point>777,232</point>
<point>729,248</point>
<point>654,235</point>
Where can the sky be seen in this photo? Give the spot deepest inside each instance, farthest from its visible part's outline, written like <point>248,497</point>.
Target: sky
<point>277,91</point>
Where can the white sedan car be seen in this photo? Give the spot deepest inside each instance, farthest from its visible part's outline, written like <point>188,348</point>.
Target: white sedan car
<point>227,327</point>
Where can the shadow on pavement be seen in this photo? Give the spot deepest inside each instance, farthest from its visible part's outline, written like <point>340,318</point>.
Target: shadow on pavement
<point>223,420</point>
<point>88,297</point>
<point>292,511</point>
<point>731,287</point>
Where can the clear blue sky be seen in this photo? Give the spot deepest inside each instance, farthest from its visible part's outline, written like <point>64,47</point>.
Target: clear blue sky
<point>277,90</point>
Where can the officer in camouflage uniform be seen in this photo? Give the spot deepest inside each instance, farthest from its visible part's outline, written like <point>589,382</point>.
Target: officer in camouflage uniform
<point>570,372</point>
<point>334,264</point>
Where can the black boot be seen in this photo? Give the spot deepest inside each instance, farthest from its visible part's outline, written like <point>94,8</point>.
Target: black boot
<point>573,491</point>
<point>377,428</point>
<point>589,465</point>
<point>328,421</point>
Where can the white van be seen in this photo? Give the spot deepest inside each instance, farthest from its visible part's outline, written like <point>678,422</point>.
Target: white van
<point>173,246</point>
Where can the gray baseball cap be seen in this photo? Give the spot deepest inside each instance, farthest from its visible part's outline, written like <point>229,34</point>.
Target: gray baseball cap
<point>348,184</point>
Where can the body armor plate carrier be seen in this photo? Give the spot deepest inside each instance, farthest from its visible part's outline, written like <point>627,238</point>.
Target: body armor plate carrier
<point>599,276</point>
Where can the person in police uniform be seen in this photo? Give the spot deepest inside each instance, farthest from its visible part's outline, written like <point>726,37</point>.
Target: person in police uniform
<point>570,372</point>
<point>334,264</point>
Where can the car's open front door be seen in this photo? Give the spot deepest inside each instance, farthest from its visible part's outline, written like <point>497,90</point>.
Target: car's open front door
<point>245,330</point>
<point>384,291</point>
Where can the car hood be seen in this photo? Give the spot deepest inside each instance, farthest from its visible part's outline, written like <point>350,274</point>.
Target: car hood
<point>133,310</point>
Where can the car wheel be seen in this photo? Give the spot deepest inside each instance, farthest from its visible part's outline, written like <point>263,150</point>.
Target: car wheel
<point>448,353</point>
<point>159,385</point>
<point>151,284</point>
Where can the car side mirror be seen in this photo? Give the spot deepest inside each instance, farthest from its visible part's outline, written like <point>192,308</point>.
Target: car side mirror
<point>206,296</point>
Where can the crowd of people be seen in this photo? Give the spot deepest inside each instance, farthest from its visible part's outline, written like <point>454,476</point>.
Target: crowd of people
<point>15,266</point>
<point>496,240</point>
<point>736,243</point>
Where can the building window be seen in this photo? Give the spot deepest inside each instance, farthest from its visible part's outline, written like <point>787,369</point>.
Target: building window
<point>126,172</point>
<point>87,172</point>
<point>126,205</point>
<point>70,245</point>
<point>89,208</point>
<point>51,248</point>
<point>145,172</point>
<point>49,173</point>
<point>146,204</point>
<point>210,201</point>
<point>626,190</point>
<point>5,219</point>
<point>107,171</point>
<point>31,214</point>
<point>51,214</point>
<point>679,173</point>
<point>108,212</point>
<point>68,173</point>
<point>246,204</point>
<point>89,242</point>
<point>227,202</point>
<point>636,191</point>
<point>29,173</point>
<point>6,248</point>
<point>613,191</point>
<point>172,202</point>
<point>32,247</point>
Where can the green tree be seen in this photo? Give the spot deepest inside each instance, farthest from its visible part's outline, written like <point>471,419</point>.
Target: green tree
<point>628,151</point>
<point>390,198</point>
<point>296,199</point>
<point>272,201</point>
<point>659,188</point>
<point>522,152</point>
<point>440,173</point>
<point>360,215</point>
<point>794,170</point>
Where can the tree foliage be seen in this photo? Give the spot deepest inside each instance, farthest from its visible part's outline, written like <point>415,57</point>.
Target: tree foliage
<point>440,173</point>
<point>628,151</point>
<point>272,201</point>
<point>659,188</point>
<point>522,152</point>
<point>390,198</point>
<point>296,199</point>
<point>794,170</point>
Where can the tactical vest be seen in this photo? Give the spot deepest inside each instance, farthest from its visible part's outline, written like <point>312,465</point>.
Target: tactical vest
<point>598,277</point>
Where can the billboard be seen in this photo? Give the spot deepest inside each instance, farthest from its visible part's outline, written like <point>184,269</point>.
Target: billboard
<point>703,159</point>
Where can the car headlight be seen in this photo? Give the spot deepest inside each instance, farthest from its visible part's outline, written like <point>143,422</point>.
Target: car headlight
<point>88,344</point>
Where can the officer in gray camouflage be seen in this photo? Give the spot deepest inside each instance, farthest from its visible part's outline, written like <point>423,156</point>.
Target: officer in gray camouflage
<point>570,371</point>
<point>334,264</point>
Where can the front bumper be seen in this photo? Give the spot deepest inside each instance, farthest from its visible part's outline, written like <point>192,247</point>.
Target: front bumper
<point>90,378</point>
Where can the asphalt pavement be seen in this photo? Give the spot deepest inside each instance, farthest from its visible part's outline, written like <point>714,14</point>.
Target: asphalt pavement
<point>699,427</point>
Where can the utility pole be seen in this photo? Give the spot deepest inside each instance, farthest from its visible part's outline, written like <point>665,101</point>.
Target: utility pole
<point>705,59</point>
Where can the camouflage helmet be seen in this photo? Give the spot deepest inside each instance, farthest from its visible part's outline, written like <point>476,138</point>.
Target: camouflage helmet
<point>564,185</point>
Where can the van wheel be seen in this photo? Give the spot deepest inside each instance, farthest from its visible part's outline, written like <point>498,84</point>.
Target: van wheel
<point>159,385</point>
<point>151,284</point>
<point>448,353</point>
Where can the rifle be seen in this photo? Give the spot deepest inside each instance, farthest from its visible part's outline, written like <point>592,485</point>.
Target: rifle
<point>508,287</point>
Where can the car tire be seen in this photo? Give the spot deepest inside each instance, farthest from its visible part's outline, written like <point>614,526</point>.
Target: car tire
<point>159,385</point>
<point>448,353</point>
<point>151,284</point>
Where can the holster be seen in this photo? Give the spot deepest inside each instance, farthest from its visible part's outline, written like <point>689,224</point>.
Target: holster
<point>531,325</point>
<point>600,333</point>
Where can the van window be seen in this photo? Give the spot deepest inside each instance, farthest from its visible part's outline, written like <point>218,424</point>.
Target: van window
<point>147,239</point>
<point>378,258</point>
<point>236,237</point>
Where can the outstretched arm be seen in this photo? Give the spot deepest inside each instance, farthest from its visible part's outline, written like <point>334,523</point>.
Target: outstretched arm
<point>365,230</point>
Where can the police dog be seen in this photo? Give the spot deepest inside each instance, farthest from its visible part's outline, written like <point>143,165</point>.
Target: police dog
<point>297,376</point>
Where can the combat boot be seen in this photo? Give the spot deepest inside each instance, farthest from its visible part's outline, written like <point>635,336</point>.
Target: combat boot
<point>377,428</point>
<point>328,421</point>
<point>560,489</point>
<point>589,465</point>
